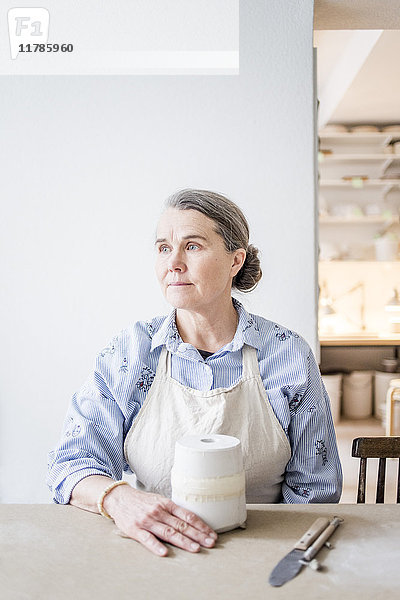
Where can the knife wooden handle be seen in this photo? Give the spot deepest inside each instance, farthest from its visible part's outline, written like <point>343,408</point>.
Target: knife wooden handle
<point>319,542</point>
<point>311,534</point>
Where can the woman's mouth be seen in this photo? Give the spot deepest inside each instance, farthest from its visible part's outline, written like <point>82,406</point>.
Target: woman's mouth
<point>179,283</point>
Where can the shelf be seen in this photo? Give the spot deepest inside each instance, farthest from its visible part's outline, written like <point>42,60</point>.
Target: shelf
<point>353,262</point>
<point>384,138</point>
<point>325,158</point>
<point>354,182</point>
<point>359,185</point>
<point>360,339</point>
<point>364,220</point>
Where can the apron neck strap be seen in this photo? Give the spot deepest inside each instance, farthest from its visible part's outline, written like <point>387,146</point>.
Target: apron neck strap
<point>249,361</point>
<point>164,362</point>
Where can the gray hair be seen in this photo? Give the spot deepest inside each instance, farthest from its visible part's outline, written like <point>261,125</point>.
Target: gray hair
<point>231,225</point>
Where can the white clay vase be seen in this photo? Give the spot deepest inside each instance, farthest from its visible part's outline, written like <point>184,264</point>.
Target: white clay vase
<point>208,479</point>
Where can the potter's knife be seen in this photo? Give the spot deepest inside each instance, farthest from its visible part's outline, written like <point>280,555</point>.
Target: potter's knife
<point>304,551</point>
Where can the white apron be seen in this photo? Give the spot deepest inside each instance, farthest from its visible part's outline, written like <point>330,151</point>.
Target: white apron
<point>172,410</point>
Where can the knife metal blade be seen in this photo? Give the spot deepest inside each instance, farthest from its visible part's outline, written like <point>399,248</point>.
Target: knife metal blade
<point>289,566</point>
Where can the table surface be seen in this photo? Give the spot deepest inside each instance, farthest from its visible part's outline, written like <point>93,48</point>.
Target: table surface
<point>50,551</point>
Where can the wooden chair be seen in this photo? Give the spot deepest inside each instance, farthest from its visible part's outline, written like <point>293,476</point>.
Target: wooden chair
<point>376,447</point>
<point>392,396</point>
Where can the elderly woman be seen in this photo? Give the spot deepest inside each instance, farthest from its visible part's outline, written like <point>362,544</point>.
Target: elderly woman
<point>208,367</point>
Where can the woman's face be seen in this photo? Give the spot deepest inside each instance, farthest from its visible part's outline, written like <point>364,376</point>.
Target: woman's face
<point>193,267</point>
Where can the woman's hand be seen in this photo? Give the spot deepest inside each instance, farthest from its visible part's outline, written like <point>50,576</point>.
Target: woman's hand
<point>149,518</point>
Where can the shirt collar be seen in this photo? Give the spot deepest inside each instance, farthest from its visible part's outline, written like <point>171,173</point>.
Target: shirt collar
<point>168,334</point>
<point>247,332</point>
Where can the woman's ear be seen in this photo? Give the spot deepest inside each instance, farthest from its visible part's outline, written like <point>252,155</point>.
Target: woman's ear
<point>239,256</point>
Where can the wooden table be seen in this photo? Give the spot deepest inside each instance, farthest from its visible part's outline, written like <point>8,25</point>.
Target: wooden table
<point>61,552</point>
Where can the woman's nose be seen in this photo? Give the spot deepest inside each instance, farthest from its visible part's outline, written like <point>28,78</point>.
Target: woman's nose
<point>176,263</point>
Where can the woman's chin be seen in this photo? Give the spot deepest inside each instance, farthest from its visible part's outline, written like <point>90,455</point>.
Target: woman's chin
<point>179,298</point>
<point>179,303</point>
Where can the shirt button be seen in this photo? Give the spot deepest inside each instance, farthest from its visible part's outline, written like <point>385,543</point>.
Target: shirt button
<point>182,347</point>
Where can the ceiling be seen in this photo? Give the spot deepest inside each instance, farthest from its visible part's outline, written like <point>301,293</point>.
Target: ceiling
<point>357,14</point>
<point>368,94</point>
<point>358,74</point>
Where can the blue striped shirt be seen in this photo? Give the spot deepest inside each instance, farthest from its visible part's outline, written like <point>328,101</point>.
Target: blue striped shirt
<point>102,412</point>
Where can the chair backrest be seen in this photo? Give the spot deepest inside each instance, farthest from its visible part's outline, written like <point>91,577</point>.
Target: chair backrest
<point>381,447</point>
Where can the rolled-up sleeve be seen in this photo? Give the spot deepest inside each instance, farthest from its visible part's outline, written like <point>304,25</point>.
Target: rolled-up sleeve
<point>313,474</point>
<point>91,441</point>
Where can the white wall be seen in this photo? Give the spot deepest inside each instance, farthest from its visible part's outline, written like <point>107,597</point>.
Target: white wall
<point>86,163</point>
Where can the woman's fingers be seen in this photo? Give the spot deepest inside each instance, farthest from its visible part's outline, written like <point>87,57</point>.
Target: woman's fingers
<point>146,517</point>
<point>175,530</point>
<point>183,527</point>
<point>191,519</point>
<point>149,541</point>
<point>172,536</point>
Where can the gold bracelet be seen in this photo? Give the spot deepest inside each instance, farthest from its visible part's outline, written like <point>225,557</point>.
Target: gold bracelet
<point>108,489</point>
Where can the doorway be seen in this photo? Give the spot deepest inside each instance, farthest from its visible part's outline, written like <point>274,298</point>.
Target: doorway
<point>358,82</point>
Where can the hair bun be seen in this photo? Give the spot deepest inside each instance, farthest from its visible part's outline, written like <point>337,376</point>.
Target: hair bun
<point>250,273</point>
